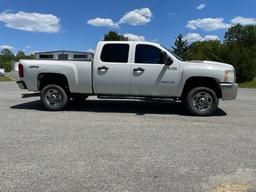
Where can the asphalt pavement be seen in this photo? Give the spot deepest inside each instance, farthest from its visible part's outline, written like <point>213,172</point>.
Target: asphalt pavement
<point>126,146</point>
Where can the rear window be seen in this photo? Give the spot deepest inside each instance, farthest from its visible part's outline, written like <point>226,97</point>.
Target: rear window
<point>80,56</point>
<point>116,53</point>
<point>46,56</point>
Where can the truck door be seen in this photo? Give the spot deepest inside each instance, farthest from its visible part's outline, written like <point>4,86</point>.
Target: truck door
<point>112,69</point>
<point>150,76</point>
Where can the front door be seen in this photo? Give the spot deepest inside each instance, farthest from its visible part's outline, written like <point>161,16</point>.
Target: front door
<point>150,76</point>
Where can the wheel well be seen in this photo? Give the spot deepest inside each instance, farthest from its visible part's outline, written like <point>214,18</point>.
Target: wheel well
<point>202,82</point>
<point>45,79</point>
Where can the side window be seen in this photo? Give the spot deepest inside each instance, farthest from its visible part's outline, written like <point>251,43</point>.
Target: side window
<point>116,53</point>
<point>148,54</point>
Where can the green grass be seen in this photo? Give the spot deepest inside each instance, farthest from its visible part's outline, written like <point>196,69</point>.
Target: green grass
<point>5,78</point>
<point>251,84</point>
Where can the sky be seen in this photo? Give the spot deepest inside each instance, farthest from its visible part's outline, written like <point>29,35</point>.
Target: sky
<point>46,25</point>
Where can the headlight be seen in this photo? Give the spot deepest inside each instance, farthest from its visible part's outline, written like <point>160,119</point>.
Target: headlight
<point>229,76</point>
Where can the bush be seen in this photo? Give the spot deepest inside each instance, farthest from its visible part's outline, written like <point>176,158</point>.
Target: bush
<point>6,65</point>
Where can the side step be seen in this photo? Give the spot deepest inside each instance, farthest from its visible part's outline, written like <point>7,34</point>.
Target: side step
<point>28,95</point>
<point>138,98</point>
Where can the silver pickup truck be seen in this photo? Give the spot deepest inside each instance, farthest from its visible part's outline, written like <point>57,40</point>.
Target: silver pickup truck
<point>130,70</point>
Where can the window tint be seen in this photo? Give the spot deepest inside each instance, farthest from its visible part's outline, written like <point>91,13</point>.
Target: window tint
<point>46,56</point>
<point>116,53</point>
<point>80,56</point>
<point>148,54</point>
<point>63,57</point>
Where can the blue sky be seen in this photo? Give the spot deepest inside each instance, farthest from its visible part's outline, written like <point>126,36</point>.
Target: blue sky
<point>40,25</point>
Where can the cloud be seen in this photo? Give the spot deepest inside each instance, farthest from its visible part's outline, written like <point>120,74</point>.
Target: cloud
<point>208,24</point>
<point>243,21</point>
<point>6,47</point>
<point>137,17</point>
<point>133,37</point>
<point>28,46</point>
<point>33,22</point>
<point>201,6</point>
<point>102,22</point>
<point>90,50</point>
<point>194,37</point>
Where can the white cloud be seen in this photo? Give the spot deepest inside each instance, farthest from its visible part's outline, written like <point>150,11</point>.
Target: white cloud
<point>6,47</point>
<point>28,46</point>
<point>201,6</point>
<point>194,37</point>
<point>133,37</point>
<point>137,17</point>
<point>210,38</point>
<point>33,22</point>
<point>102,22</point>
<point>208,24</point>
<point>90,50</point>
<point>244,21</point>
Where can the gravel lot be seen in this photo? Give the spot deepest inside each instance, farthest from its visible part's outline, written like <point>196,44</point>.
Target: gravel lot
<point>126,146</point>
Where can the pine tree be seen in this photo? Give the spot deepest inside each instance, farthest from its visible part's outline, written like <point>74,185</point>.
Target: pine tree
<point>181,47</point>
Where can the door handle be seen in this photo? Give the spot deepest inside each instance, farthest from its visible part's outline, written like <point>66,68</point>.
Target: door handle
<point>139,70</point>
<point>103,68</point>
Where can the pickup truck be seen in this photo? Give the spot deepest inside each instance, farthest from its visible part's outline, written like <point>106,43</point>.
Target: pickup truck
<point>130,69</point>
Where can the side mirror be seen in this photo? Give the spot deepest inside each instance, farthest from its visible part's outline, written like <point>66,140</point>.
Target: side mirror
<point>166,59</point>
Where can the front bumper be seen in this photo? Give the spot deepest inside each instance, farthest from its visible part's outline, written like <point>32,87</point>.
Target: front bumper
<point>229,91</point>
<point>21,84</point>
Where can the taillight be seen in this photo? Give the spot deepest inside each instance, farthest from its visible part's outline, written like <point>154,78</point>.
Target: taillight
<point>21,70</point>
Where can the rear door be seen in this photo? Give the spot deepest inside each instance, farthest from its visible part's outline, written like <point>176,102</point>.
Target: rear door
<point>112,69</point>
<point>150,76</point>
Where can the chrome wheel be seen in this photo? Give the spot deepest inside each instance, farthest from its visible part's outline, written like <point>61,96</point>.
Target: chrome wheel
<point>202,101</point>
<point>54,97</point>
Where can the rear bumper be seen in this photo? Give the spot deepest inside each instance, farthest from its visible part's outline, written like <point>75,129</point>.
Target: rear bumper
<point>229,91</point>
<point>21,84</point>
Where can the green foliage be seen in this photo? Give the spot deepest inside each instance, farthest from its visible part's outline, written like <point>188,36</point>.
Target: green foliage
<point>206,50</point>
<point>181,47</point>
<point>7,58</point>
<point>114,36</point>
<point>238,49</point>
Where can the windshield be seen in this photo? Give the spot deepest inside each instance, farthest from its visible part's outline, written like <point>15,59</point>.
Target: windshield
<point>177,57</point>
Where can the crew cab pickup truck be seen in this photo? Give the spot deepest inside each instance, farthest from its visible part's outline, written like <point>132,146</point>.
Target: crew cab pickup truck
<point>126,69</point>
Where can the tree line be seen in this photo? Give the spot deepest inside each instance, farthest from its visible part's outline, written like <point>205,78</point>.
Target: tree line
<point>7,58</point>
<point>238,48</point>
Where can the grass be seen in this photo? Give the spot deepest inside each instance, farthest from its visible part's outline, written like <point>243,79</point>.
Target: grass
<point>251,84</point>
<point>5,78</point>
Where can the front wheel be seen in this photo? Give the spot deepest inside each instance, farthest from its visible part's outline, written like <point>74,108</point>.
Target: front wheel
<point>201,101</point>
<point>54,98</point>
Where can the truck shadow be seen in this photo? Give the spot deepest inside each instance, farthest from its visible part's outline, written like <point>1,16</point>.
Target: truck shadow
<point>120,106</point>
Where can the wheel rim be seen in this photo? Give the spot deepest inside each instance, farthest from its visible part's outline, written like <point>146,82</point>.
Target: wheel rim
<point>202,101</point>
<point>53,97</point>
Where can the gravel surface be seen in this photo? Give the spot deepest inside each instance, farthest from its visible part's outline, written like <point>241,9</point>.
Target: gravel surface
<point>126,146</point>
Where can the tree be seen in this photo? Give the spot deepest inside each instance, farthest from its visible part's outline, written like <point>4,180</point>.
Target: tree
<point>240,50</point>
<point>181,47</point>
<point>114,36</point>
<point>206,50</point>
<point>20,55</point>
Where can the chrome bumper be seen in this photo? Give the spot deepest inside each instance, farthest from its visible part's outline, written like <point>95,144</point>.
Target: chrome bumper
<point>21,85</point>
<point>229,91</point>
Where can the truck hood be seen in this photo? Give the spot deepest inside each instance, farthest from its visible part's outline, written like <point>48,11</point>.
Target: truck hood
<point>213,64</point>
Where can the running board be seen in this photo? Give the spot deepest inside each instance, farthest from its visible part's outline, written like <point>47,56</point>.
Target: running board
<point>28,95</point>
<point>137,98</point>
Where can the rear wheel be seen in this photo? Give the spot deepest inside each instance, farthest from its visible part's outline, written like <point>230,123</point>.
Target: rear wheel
<point>201,101</point>
<point>54,97</point>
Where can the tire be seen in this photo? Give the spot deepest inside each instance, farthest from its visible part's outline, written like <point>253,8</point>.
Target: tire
<point>54,97</point>
<point>201,101</point>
